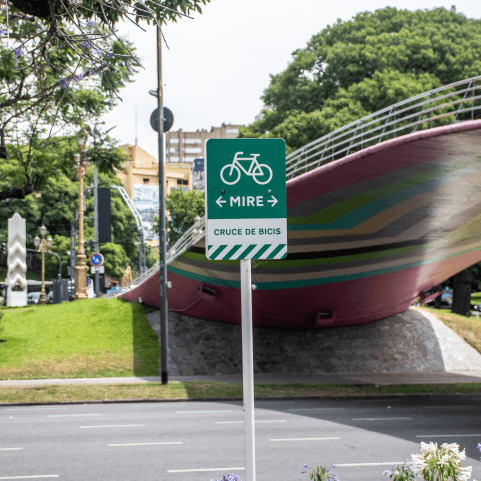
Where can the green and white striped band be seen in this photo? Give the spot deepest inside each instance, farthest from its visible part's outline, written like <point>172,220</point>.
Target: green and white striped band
<point>252,251</point>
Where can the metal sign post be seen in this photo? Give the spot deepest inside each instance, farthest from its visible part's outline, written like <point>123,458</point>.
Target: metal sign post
<point>246,219</point>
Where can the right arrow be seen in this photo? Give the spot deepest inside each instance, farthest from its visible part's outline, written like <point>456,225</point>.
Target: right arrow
<point>273,201</point>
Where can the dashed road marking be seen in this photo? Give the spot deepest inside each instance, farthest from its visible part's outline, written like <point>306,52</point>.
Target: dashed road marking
<point>304,439</point>
<point>379,419</point>
<point>203,470</point>
<point>113,426</point>
<point>147,444</point>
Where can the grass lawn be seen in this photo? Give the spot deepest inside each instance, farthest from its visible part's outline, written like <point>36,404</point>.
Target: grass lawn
<point>201,389</point>
<point>88,338</point>
<point>469,328</point>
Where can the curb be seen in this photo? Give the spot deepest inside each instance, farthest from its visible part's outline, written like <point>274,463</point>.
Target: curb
<point>262,398</point>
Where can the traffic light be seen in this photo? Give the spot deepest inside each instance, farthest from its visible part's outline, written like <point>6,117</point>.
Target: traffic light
<point>4,248</point>
<point>92,246</point>
<point>85,246</point>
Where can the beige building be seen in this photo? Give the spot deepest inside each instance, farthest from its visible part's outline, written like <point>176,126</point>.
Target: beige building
<point>141,181</point>
<point>184,147</point>
<point>143,169</point>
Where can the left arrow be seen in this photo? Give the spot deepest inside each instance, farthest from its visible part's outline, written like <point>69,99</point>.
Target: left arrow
<point>219,201</point>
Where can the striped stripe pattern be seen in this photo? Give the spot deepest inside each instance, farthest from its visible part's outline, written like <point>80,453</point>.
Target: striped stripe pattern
<point>252,251</point>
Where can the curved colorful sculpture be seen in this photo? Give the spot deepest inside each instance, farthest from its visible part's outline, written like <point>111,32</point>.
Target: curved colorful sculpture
<point>368,234</point>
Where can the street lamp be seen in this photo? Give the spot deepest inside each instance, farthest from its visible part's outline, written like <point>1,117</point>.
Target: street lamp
<point>43,246</point>
<point>81,166</point>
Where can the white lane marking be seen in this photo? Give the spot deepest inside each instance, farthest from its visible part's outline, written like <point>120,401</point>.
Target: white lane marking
<point>378,419</point>
<point>33,477</point>
<point>113,426</point>
<point>40,408</point>
<point>11,449</point>
<point>274,402</point>
<point>448,435</point>
<point>313,409</point>
<point>198,412</point>
<point>70,415</point>
<point>204,470</point>
<point>242,422</point>
<point>367,464</point>
<point>304,439</point>
<point>147,444</point>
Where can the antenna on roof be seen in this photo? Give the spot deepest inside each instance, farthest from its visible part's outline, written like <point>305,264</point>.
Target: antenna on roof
<point>135,125</point>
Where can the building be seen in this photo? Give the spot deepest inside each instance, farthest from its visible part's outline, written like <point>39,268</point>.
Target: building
<point>184,147</point>
<point>141,181</point>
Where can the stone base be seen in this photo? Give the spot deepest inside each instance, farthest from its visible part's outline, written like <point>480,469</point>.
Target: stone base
<point>413,341</point>
<point>16,298</point>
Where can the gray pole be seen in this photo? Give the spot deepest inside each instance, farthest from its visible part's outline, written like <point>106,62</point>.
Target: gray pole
<point>96,215</point>
<point>164,313</point>
<point>73,235</point>
<point>141,263</point>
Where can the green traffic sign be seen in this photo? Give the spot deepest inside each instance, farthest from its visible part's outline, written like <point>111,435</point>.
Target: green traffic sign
<point>246,178</point>
<point>246,198</point>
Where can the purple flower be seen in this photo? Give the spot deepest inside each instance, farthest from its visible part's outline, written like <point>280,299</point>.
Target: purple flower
<point>78,77</point>
<point>306,466</point>
<point>86,45</point>
<point>63,83</point>
<point>90,23</point>
<point>18,52</point>
<point>97,51</point>
<point>479,446</point>
<point>2,32</point>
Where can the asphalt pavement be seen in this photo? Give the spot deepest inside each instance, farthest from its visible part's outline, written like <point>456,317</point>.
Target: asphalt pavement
<point>205,440</point>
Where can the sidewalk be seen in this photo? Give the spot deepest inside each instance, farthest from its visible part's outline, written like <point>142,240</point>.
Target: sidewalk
<point>361,378</point>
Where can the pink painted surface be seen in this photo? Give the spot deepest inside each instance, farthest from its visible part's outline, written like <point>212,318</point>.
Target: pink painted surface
<point>366,298</point>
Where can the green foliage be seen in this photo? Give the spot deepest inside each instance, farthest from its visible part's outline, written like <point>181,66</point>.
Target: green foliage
<point>93,9</point>
<point>116,260</point>
<point>66,93</point>
<point>354,68</point>
<point>183,207</point>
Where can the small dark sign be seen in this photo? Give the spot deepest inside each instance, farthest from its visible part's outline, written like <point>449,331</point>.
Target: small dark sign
<point>168,119</point>
<point>199,165</point>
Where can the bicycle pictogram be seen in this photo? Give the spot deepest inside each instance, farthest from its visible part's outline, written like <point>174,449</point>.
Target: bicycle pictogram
<point>261,173</point>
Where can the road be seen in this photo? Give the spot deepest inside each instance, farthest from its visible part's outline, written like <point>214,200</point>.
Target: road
<point>202,440</point>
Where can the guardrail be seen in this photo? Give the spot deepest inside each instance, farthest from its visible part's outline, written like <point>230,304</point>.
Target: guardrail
<point>441,106</point>
<point>448,104</point>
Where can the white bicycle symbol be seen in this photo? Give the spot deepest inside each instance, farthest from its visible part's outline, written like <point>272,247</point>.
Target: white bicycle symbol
<point>261,173</point>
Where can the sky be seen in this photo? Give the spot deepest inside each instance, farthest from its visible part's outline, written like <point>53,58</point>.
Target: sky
<point>219,63</point>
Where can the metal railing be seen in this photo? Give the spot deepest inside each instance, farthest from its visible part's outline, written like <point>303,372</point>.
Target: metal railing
<point>190,237</point>
<point>442,106</point>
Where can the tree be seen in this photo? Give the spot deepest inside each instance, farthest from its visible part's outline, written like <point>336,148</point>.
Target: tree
<point>56,208</point>
<point>462,292</point>
<point>67,96</point>
<point>354,68</point>
<point>50,23</point>
<point>182,209</point>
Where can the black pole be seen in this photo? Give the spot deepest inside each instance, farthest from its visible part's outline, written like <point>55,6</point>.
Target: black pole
<point>164,313</point>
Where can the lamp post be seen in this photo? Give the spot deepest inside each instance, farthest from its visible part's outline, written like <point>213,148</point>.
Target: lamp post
<point>81,268</point>
<point>42,246</point>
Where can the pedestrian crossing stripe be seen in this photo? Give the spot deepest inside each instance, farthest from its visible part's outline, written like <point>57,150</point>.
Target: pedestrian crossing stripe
<point>243,251</point>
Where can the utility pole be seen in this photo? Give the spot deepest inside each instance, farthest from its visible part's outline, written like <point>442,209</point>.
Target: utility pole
<point>164,313</point>
<point>96,215</point>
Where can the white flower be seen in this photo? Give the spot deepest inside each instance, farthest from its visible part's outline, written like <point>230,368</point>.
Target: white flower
<point>465,473</point>
<point>444,460</point>
<point>429,448</point>
<point>453,447</point>
<point>417,463</point>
